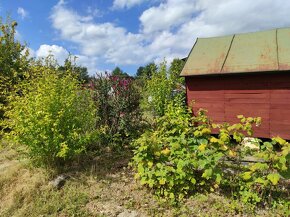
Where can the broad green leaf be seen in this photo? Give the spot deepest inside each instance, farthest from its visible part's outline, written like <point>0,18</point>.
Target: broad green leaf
<point>151,183</point>
<point>214,140</point>
<point>202,147</point>
<point>207,173</point>
<point>205,131</point>
<point>143,181</point>
<point>150,164</point>
<point>162,181</point>
<point>140,169</point>
<point>259,166</point>
<point>240,116</point>
<point>246,175</point>
<point>197,133</point>
<point>202,141</point>
<point>237,137</point>
<point>175,146</point>
<point>193,180</point>
<point>279,140</point>
<point>214,126</point>
<point>274,178</point>
<point>261,181</point>
<point>232,153</point>
<point>218,178</point>
<point>268,145</point>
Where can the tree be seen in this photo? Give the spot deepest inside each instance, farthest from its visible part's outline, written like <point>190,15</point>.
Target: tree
<point>175,70</point>
<point>147,71</point>
<point>80,72</point>
<point>140,71</point>
<point>14,61</point>
<point>119,72</point>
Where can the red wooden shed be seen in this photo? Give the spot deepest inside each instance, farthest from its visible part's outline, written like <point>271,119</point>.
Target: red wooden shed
<point>246,74</point>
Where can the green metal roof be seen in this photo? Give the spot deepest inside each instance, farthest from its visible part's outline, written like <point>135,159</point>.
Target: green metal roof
<point>240,53</point>
<point>284,48</point>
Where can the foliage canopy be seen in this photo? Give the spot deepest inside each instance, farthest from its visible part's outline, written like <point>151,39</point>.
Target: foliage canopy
<point>14,61</point>
<point>53,117</point>
<point>182,156</point>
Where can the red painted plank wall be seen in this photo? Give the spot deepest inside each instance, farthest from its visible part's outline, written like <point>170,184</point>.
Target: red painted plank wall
<point>265,95</point>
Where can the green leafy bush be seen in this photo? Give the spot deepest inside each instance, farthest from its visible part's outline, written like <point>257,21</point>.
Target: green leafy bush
<point>182,156</point>
<point>259,180</point>
<point>52,116</point>
<point>157,91</point>
<point>162,87</point>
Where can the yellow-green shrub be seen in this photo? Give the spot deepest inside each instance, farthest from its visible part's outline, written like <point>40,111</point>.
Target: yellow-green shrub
<point>52,116</point>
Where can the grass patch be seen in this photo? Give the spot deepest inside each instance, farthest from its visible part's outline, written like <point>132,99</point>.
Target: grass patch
<point>100,186</point>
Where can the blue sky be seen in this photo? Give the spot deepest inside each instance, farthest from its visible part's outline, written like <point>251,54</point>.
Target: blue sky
<point>104,34</point>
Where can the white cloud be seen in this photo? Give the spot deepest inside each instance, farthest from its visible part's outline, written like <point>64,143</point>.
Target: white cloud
<point>173,28</point>
<point>59,53</point>
<point>120,4</point>
<point>22,12</point>
<point>91,63</point>
<point>105,40</point>
<point>172,13</point>
<point>110,43</point>
<point>30,51</point>
<point>211,17</point>
<point>168,29</point>
<point>237,16</point>
<point>94,12</point>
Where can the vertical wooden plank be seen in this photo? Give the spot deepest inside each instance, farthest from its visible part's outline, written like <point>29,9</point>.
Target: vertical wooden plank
<point>280,106</point>
<point>263,94</point>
